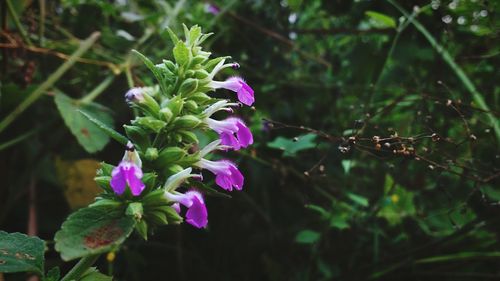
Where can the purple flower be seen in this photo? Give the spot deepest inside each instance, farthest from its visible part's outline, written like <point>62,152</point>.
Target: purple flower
<point>127,174</point>
<point>237,85</point>
<point>232,131</point>
<point>196,214</point>
<point>134,95</point>
<point>226,173</point>
<point>212,9</point>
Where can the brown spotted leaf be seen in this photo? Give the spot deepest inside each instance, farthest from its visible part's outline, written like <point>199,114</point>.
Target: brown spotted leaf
<point>93,230</point>
<point>91,137</point>
<point>21,253</point>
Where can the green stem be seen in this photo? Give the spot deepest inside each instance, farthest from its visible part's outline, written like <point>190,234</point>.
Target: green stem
<point>98,90</point>
<point>80,268</point>
<point>23,32</point>
<point>54,77</point>
<point>476,96</point>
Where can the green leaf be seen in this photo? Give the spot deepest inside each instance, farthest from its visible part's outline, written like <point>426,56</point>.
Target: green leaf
<point>381,20</point>
<point>53,275</point>
<point>307,236</point>
<point>181,53</point>
<point>93,230</point>
<point>292,146</point>
<point>358,199</point>
<point>94,275</point>
<point>398,202</point>
<point>103,127</point>
<point>21,253</point>
<point>86,132</point>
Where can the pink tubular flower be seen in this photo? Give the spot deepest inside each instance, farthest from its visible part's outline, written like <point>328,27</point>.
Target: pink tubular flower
<point>239,86</point>
<point>196,214</point>
<point>127,174</point>
<point>232,131</point>
<point>226,173</point>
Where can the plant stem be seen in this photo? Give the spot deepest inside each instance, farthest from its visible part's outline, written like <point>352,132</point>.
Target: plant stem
<point>54,77</point>
<point>23,32</point>
<point>476,96</point>
<point>80,268</point>
<point>98,90</point>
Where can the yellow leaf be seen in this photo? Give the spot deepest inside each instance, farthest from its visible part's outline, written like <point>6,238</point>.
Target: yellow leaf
<point>77,177</point>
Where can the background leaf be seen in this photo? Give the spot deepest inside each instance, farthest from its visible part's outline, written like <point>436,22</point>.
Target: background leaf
<point>20,253</point>
<point>292,146</point>
<point>87,133</point>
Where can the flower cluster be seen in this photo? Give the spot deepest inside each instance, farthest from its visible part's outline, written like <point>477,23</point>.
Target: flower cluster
<point>164,135</point>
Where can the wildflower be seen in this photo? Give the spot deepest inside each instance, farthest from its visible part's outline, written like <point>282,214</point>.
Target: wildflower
<point>128,173</point>
<point>176,180</point>
<point>134,95</point>
<point>232,131</point>
<point>212,9</point>
<point>196,214</point>
<point>226,173</point>
<point>239,86</point>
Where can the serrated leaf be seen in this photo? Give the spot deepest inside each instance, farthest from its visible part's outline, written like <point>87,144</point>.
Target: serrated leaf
<point>93,230</point>
<point>106,129</point>
<point>86,132</point>
<point>181,53</point>
<point>292,146</point>
<point>307,236</point>
<point>21,253</point>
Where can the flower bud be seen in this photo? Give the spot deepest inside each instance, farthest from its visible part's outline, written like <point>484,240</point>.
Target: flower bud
<point>187,136</point>
<point>170,155</point>
<point>198,60</point>
<point>139,98</point>
<point>201,74</point>
<point>188,86</point>
<point>135,210</point>
<point>151,153</point>
<point>191,105</point>
<point>199,97</point>
<point>150,123</point>
<point>175,105</point>
<point>187,122</point>
<point>138,136</point>
<point>166,114</point>
<point>170,65</point>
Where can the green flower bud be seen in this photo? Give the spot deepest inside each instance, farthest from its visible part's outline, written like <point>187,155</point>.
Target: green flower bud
<point>175,105</point>
<point>201,74</point>
<point>198,60</point>
<point>199,97</point>
<point>170,65</point>
<point>188,87</point>
<point>170,155</point>
<point>166,114</point>
<point>135,210</point>
<point>150,123</point>
<point>191,105</point>
<point>173,169</point>
<point>138,136</point>
<point>188,136</point>
<point>187,122</point>
<point>151,153</point>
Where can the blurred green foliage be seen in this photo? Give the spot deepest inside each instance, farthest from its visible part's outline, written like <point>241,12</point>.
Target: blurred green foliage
<point>390,168</point>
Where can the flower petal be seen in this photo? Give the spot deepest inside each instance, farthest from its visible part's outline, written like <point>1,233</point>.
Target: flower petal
<point>197,214</point>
